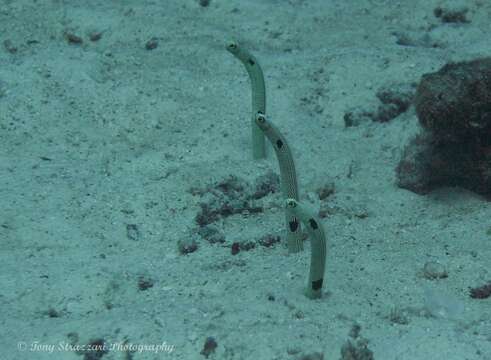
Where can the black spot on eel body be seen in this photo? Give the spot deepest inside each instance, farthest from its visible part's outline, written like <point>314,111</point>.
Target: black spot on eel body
<point>279,143</point>
<point>313,224</point>
<point>251,62</point>
<point>316,285</point>
<point>293,225</point>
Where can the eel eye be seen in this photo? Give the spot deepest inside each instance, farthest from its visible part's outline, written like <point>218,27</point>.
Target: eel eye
<point>260,118</point>
<point>291,203</point>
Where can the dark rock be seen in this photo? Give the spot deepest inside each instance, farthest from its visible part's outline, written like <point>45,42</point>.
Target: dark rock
<point>454,107</point>
<point>456,100</point>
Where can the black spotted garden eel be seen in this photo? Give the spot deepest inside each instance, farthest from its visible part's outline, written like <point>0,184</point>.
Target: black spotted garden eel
<point>295,211</point>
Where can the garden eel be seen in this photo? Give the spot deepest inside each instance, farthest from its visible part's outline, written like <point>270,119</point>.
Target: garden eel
<point>317,247</point>
<point>288,176</point>
<point>258,95</point>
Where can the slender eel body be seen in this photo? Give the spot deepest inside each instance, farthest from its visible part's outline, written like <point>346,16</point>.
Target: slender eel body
<point>258,95</point>
<point>317,246</point>
<point>288,177</point>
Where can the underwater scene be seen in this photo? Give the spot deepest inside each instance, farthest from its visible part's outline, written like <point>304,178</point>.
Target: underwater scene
<point>245,179</point>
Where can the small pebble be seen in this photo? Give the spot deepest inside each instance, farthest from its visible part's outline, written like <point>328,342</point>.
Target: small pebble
<point>95,36</point>
<point>187,246</point>
<point>209,346</point>
<point>152,44</point>
<point>433,270</point>
<point>9,46</point>
<point>73,39</point>
<point>235,249</point>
